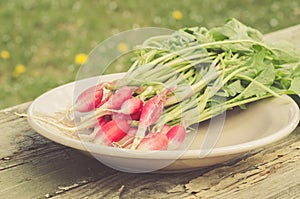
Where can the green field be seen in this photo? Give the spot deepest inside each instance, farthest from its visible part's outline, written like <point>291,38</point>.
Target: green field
<point>39,40</point>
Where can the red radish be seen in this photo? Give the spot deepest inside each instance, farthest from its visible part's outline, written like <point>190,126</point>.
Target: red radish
<point>157,141</point>
<point>136,116</point>
<point>127,139</point>
<point>132,106</point>
<point>176,136</point>
<point>103,119</point>
<point>114,101</point>
<point>132,131</point>
<point>123,121</point>
<point>151,112</point>
<point>109,133</point>
<point>119,97</point>
<point>104,100</point>
<point>89,99</point>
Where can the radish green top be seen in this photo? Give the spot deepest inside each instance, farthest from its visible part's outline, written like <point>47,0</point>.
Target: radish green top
<point>212,70</point>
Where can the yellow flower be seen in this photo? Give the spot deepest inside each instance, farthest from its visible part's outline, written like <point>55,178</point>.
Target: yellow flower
<point>176,14</point>
<point>19,69</point>
<point>5,54</point>
<point>122,47</point>
<point>80,58</point>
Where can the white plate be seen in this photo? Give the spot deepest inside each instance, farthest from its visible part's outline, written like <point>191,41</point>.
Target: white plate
<point>262,123</point>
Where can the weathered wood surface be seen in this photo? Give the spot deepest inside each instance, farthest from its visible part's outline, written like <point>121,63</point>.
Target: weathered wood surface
<point>32,166</point>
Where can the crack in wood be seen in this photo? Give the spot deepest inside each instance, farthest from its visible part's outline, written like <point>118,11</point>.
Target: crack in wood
<point>34,151</point>
<point>11,166</point>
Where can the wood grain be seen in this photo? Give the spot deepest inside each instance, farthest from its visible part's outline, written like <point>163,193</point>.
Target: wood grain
<point>32,166</point>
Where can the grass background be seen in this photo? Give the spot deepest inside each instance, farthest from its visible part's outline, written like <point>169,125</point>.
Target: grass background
<point>45,36</point>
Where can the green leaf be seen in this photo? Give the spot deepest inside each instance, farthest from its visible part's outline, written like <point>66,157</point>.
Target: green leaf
<point>296,72</point>
<point>203,35</point>
<point>234,30</point>
<point>266,77</point>
<point>295,86</point>
<point>284,52</point>
<point>258,60</point>
<point>234,88</point>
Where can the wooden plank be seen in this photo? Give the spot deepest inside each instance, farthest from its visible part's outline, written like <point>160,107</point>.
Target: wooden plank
<point>34,167</point>
<point>285,184</point>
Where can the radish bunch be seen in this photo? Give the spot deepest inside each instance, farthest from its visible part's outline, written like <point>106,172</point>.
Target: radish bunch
<point>179,80</point>
<point>123,118</point>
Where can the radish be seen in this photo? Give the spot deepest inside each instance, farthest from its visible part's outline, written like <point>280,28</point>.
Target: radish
<point>101,122</point>
<point>113,102</point>
<point>123,121</point>
<point>131,106</point>
<point>156,141</point>
<point>119,97</point>
<point>103,119</point>
<point>132,131</point>
<point>104,100</point>
<point>109,133</point>
<point>89,120</point>
<point>176,136</point>
<point>136,116</point>
<point>89,99</point>
<point>151,112</point>
<point>127,139</point>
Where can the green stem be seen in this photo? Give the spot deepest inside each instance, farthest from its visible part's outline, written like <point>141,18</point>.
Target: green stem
<point>213,111</point>
<point>206,45</point>
<point>259,84</point>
